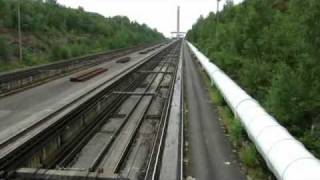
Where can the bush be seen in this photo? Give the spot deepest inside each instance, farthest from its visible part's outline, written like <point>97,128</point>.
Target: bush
<point>77,50</point>
<point>312,142</point>
<point>248,155</point>
<point>59,53</point>
<point>236,132</point>
<point>29,59</point>
<point>5,50</point>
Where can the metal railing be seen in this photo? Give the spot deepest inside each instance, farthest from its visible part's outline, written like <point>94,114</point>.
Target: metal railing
<point>17,80</point>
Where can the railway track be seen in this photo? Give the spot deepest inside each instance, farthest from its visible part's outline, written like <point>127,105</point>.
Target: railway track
<point>112,133</point>
<point>15,81</point>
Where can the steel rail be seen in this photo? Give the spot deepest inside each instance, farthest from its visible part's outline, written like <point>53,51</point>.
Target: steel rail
<point>170,165</point>
<point>162,136</point>
<point>25,130</point>
<point>17,136</point>
<point>158,87</point>
<point>92,129</point>
<point>124,154</point>
<point>31,126</point>
<point>155,156</point>
<point>57,127</point>
<point>94,165</point>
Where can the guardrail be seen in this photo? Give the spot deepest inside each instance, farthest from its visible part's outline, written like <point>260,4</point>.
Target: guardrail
<point>19,79</point>
<point>285,156</point>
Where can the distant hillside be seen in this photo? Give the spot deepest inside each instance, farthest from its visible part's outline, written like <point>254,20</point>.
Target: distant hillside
<point>53,32</point>
<point>271,48</point>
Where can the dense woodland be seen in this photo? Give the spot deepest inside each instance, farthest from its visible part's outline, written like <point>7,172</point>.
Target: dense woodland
<point>272,49</point>
<point>53,32</point>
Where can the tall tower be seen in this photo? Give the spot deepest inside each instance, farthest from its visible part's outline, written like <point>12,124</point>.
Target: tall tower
<point>178,22</point>
<point>178,34</point>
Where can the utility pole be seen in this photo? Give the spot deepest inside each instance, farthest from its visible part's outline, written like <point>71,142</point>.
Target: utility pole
<point>19,31</point>
<point>178,22</point>
<point>217,14</point>
<point>217,19</point>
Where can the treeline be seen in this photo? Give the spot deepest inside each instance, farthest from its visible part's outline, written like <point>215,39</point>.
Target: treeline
<point>53,32</point>
<point>272,49</point>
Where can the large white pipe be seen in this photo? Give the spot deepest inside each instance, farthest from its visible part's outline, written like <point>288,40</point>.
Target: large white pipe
<point>285,156</point>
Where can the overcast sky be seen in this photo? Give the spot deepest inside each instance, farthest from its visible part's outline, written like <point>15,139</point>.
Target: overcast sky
<point>159,14</point>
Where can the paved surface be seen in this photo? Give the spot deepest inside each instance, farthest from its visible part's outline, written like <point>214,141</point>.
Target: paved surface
<point>19,110</point>
<point>211,153</point>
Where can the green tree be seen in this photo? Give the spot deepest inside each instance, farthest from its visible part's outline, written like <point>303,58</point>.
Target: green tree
<point>271,48</point>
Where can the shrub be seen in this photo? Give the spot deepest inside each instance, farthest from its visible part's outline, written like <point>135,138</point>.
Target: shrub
<point>59,53</point>
<point>4,50</point>
<point>248,155</point>
<point>236,132</point>
<point>29,59</point>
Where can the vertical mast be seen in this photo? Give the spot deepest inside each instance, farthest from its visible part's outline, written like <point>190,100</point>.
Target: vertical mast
<point>217,19</point>
<point>178,23</point>
<point>19,31</point>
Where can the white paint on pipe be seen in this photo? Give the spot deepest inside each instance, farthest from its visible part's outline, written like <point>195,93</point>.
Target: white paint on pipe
<point>285,156</point>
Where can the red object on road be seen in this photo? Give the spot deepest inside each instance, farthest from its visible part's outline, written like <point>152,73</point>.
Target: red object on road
<point>87,74</point>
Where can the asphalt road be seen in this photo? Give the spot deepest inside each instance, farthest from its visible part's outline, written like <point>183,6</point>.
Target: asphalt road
<point>211,156</point>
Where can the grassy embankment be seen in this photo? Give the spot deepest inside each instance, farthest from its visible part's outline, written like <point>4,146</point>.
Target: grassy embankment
<point>52,32</point>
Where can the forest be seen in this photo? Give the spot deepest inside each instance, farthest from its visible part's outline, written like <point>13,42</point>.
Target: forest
<point>271,48</point>
<point>52,32</point>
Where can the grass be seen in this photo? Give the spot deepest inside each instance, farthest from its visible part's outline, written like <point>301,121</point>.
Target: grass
<point>28,61</point>
<point>248,155</point>
<point>253,164</point>
<point>9,66</point>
